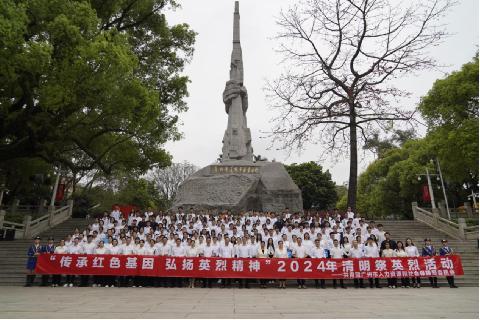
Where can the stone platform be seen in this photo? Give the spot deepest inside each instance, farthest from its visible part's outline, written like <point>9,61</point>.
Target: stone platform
<point>240,185</point>
<point>181,303</point>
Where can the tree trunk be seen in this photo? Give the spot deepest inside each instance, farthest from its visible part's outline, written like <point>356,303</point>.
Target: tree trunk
<point>352,181</point>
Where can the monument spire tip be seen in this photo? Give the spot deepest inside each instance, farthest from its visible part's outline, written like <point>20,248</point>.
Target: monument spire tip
<point>237,10</point>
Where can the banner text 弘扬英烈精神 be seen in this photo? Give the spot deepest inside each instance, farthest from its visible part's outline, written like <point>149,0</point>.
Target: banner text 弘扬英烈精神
<point>199,267</point>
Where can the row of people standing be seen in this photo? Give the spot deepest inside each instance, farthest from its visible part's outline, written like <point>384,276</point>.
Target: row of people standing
<point>244,250</point>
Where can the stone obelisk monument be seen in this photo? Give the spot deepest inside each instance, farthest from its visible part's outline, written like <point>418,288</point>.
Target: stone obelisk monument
<point>237,183</point>
<point>237,141</point>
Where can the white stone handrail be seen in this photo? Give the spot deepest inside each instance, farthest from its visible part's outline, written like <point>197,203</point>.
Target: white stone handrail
<point>39,220</point>
<point>12,225</point>
<point>30,228</point>
<point>456,230</point>
<point>448,222</point>
<point>424,211</point>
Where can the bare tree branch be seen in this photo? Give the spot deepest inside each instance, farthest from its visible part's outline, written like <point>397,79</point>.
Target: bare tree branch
<point>341,57</point>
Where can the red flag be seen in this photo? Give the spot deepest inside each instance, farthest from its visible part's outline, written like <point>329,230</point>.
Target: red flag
<point>425,193</point>
<point>60,190</point>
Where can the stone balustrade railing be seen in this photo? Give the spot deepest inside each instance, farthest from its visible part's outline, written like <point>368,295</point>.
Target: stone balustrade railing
<point>456,230</point>
<point>30,228</point>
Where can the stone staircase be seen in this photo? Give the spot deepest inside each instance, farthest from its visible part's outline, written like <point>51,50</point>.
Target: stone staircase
<point>417,231</point>
<point>13,254</point>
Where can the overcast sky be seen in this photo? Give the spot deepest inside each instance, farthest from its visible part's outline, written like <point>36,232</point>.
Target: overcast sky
<point>204,124</point>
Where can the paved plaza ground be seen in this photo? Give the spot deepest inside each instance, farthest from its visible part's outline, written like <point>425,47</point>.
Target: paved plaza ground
<point>19,302</point>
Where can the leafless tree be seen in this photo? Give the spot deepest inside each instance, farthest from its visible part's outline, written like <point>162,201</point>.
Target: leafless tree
<point>167,180</point>
<point>341,57</point>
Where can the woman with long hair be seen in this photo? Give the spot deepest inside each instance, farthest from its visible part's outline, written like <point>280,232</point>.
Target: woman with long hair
<point>270,248</point>
<point>263,254</point>
<point>389,253</point>
<point>281,252</point>
<point>412,251</point>
<point>192,252</point>
<point>400,252</point>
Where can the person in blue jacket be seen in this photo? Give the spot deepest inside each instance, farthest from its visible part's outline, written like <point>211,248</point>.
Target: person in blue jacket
<point>33,252</point>
<point>445,250</point>
<point>48,248</point>
<point>429,251</point>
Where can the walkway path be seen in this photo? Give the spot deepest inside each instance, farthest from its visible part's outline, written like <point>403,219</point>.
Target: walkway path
<point>37,302</point>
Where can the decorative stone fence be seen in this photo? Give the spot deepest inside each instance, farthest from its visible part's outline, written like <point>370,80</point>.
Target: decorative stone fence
<point>456,230</point>
<point>30,228</point>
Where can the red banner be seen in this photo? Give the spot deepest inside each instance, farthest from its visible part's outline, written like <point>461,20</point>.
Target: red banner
<point>156,266</point>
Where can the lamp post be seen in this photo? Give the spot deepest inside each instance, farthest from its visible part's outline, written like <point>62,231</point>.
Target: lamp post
<point>2,190</point>
<point>443,187</point>
<point>55,188</point>
<point>472,196</point>
<point>430,189</point>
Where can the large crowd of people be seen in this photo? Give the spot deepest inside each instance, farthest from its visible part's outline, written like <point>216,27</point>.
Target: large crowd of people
<point>252,234</point>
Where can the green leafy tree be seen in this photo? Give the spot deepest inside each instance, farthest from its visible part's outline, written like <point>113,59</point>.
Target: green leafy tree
<point>139,192</point>
<point>451,111</point>
<point>318,189</point>
<point>390,183</point>
<point>91,84</point>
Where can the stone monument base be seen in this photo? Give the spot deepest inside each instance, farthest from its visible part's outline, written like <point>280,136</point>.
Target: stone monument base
<point>240,185</point>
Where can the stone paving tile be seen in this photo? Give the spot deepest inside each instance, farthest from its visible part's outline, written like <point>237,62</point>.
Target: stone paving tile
<point>107,303</point>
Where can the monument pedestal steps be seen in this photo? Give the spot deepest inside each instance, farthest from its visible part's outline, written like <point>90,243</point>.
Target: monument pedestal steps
<point>240,185</point>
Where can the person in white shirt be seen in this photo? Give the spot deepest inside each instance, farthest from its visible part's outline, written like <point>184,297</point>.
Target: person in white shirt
<point>400,252</point>
<point>141,250</point>
<point>60,249</point>
<point>350,214</point>
<point>100,281</point>
<point>177,251</point>
<point>208,251</point>
<point>116,214</point>
<point>191,252</point>
<point>412,251</point>
<point>117,250</point>
<point>227,251</point>
<point>158,246</point>
<point>262,253</point>
<point>380,234</point>
<point>281,251</point>
<point>74,248</point>
<point>372,251</point>
<point>317,252</point>
<point>356,252</point>
<point>243,251</point>
<point>150,248</point>
<point>389,253</point>
<point>307,243</point>
<point>300,252</point>
<point>89,246</point>
<point>337,252</point>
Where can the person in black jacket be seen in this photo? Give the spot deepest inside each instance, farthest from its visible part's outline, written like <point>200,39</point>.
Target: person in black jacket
<point>393,244</point>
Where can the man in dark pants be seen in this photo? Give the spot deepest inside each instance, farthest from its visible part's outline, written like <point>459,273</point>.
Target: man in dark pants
<point>429,251</point>
<point>33,252</point>
<point>445,250</point>
<point>48,248</point>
